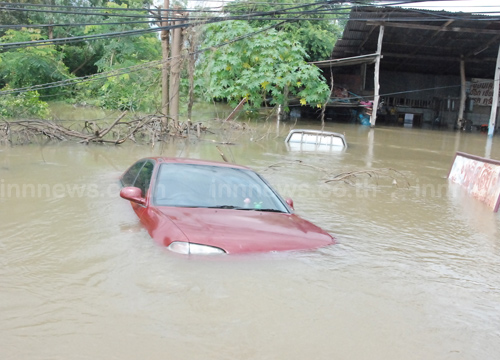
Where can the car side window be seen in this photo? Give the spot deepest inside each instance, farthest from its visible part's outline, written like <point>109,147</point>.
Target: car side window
<point>129,177</point>
<point>144,178</point>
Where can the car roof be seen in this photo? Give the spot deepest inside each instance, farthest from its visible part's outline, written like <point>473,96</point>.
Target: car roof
<point>178,160</point>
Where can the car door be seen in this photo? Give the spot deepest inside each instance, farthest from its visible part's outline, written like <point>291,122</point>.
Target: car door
<point>143,182</point>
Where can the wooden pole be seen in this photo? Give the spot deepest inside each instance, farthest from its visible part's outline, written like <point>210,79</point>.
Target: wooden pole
<point>175,71</point>
<point>494,104</point>
<point>164,67</point>
<point>376,96</point>
<point>193,42</point>
<point>363,77</point>
<point>236,109</point>
<point>463,95</point>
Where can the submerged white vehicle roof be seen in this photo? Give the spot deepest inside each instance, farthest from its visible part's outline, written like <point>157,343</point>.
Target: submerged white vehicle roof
<point>317,138</point>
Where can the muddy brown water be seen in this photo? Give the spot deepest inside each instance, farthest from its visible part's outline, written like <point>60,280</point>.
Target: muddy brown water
<point>415,273</point>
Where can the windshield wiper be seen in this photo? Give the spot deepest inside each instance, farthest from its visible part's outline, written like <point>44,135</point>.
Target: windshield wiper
<point>268,210</point>
<point>242,208</point>
<point>227,207</point>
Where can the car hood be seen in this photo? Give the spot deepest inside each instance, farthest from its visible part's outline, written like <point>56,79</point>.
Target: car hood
<point>238,231</point>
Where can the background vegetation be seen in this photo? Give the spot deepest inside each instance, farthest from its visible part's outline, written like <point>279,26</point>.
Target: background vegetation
<point>263,58</point>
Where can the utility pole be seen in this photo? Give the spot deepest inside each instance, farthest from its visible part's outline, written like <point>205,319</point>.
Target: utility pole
<point>175,70</point>
<point>165,63</point>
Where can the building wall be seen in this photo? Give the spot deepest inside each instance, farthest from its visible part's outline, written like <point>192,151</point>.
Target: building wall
<point>394,82</point>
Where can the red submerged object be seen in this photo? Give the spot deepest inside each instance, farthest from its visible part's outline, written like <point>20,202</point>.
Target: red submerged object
<point>204,207</point>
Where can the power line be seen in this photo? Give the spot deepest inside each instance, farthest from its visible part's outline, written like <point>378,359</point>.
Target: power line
<point>7,46</point>
<point>34,43</point>
<point>432,17</point>
<point>109,11</point>
<point>126,70</point>
<point>73,24</point>
<point>251,16</point>
<point>8,6</point>
<point>107,14</point>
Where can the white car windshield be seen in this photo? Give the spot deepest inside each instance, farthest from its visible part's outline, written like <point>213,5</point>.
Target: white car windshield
<point>190,185</point>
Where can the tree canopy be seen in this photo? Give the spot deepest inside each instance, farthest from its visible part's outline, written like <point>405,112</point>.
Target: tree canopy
<point>262,58</point>
<point>30,65</point>
<point>261,67</point>
<point>316,26</point>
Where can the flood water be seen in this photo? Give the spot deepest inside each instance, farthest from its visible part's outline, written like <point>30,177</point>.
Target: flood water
<point>415,273</point>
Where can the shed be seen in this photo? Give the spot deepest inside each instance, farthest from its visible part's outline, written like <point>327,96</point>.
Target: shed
<point>435,67</point>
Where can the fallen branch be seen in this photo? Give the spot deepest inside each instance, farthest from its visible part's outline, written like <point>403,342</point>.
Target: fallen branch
<point>100,135</point>
<point>348,177</point>
<point>297,162</point>
<point>222,154</point>
<point>26,130</point>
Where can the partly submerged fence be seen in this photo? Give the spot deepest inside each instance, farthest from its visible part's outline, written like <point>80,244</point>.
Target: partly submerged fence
<point>479,176</point>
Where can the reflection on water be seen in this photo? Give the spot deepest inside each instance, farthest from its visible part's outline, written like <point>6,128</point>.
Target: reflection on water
<point>415,274</point>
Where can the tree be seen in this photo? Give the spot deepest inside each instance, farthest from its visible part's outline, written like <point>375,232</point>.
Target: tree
<point>261,67</point>
<point>80,56</point>
<point>30,65</point>
<point>317,26</point>
<point>130,90</point>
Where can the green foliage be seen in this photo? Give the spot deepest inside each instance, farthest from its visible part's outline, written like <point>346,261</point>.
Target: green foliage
<point>14,17</point>
<point>318,41</point>
<point>39,65</point>
<point>26,104</point>
<point>135,90</point>
<point>31,65</point>
<point>80,58</point>
<point>317,27</point>
<point>261,67</point>
<point>129,91</point>
<point>122,49</point>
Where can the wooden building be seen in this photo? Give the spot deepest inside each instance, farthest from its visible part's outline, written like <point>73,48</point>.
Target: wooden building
<point>419,68</point>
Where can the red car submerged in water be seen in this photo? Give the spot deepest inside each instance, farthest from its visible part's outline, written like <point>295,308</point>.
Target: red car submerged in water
<point>204,207</point>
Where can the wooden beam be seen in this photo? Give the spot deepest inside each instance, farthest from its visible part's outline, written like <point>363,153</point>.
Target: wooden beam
<point>363,77</point>
<point>437,58</point>
<point>432,27</point>
<point>427,40</point>
<point>483,47</point>
<point>376,96</point>
<point>365,39</point>
<point>494,105</point>
<point>368,36</point>
<point>359,31</point>
<point>463,94</point>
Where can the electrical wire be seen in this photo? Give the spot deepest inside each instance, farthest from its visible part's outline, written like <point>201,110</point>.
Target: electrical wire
<point>129,69</point>
<point>126,70</point>
<point>15,45</point>
<point>103,8</point>
<point>110,11</point>
<point>250,16</point>
<point>433,17</point>
<point>73,24</point>
<point>34,43</point>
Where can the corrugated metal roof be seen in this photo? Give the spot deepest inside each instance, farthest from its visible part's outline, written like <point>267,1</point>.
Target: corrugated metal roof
<point>423,41</point>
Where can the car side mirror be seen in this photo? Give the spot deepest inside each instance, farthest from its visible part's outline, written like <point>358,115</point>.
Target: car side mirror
<point>290,203</point>
<point>133,194</point>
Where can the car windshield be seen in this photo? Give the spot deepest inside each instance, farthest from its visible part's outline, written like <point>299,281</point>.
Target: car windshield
<point>189,185</point>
